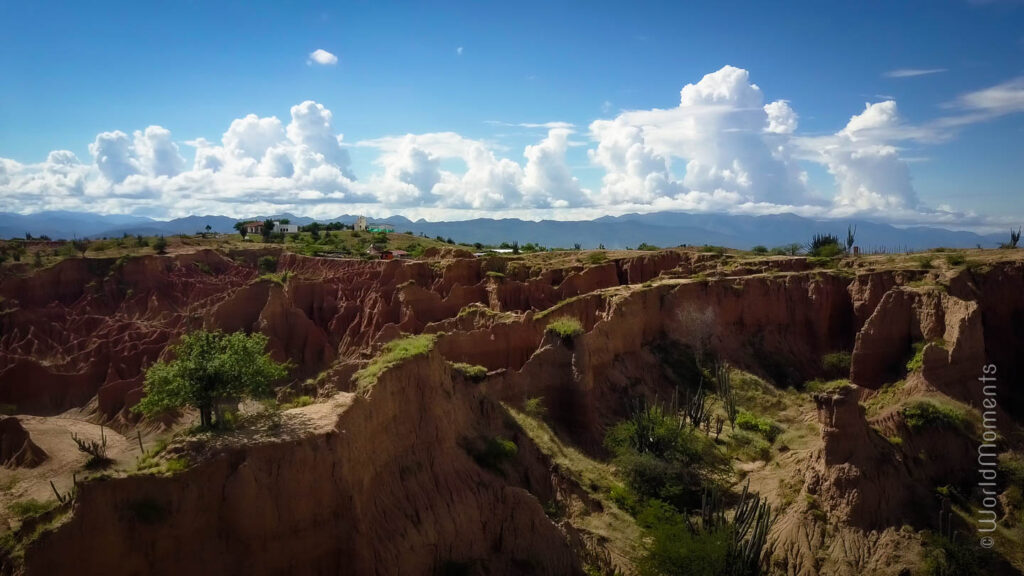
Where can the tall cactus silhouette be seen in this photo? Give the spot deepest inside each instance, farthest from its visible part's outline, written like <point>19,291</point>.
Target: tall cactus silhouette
<point>749,527</point>
<point>724,385</point>
<point>697,408</point>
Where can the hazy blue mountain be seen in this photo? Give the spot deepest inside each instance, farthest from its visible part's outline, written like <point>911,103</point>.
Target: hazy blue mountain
<point>60,224</point>
<point>660,228</point>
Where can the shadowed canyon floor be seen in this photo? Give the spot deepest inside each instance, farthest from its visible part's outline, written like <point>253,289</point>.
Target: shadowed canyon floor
<point>403,465</point>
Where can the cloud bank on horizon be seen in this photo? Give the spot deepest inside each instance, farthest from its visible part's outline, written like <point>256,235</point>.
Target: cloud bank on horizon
<point>724,148</point>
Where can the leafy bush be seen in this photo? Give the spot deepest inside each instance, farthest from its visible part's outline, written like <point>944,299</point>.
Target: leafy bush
<point>763,426</point>
<point>160,245</point>
<point>759,249</point>
<point>708,542</point>
<point>956,259</point>
<point>930,414</point>
<point>828,251</point>
<point>824,246</point>
<point>595,258</point>
<point>676,549</point>
<point>473,372</point>
<point>713,249</point>
<point>566,327</point>
<point>662,458</point>
<point>492,452</point>
<point>175,465</point>
<point>647,247</point>
<point>924,262</point>
<point>944,556</point>
<point>393,353</point>
<point>836,364</point>
<point>267,264</point>
<point>535,408</point>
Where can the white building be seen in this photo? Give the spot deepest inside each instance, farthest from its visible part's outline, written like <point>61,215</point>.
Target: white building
<point>361,224</point>
<point>286,228</point>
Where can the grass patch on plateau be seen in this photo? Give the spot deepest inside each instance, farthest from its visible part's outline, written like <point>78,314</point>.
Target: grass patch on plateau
<point>277,278</point>
<point>828,387</point>
<point>473,372</point>
<point>175,465</point>
<point>565,327</point>
<point>31,507</point>
<point>394,352</point>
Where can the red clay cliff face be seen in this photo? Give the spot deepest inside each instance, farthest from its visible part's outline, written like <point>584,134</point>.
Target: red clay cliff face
<point>386,489</point>
<point>388,485</point>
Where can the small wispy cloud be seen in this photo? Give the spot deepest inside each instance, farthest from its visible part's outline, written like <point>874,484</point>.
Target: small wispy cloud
<point>911,72</point>
<point>322,57</point>
<point>459,50</point>
<point>544,125</point>
<point>1005,98</point>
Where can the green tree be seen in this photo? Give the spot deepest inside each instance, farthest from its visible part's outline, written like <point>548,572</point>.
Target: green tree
<point>209,370</point>
<point>240,227</point>
<point>268,229</point>
<point>160,245</point>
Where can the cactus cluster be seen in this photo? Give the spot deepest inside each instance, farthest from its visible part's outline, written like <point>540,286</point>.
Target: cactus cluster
<point>749,527</point>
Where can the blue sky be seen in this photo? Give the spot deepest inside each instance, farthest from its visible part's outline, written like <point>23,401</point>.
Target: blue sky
<point>459,78</point>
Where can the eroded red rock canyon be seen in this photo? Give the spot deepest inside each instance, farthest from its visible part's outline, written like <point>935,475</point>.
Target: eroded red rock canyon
<point>384,480</point>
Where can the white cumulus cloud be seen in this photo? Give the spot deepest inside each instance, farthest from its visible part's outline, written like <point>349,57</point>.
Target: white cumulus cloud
<point>722,146</point>
<point>323,57</point>
<point>781,118</point>
<point>717,133</point>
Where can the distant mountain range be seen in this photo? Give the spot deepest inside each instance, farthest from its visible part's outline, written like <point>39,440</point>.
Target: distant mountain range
<point>659,228</point>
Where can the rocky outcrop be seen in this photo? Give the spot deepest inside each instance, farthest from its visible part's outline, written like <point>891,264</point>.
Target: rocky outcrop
<point>17,450</point>
<point>377,485</point>
<point>949,329</point>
